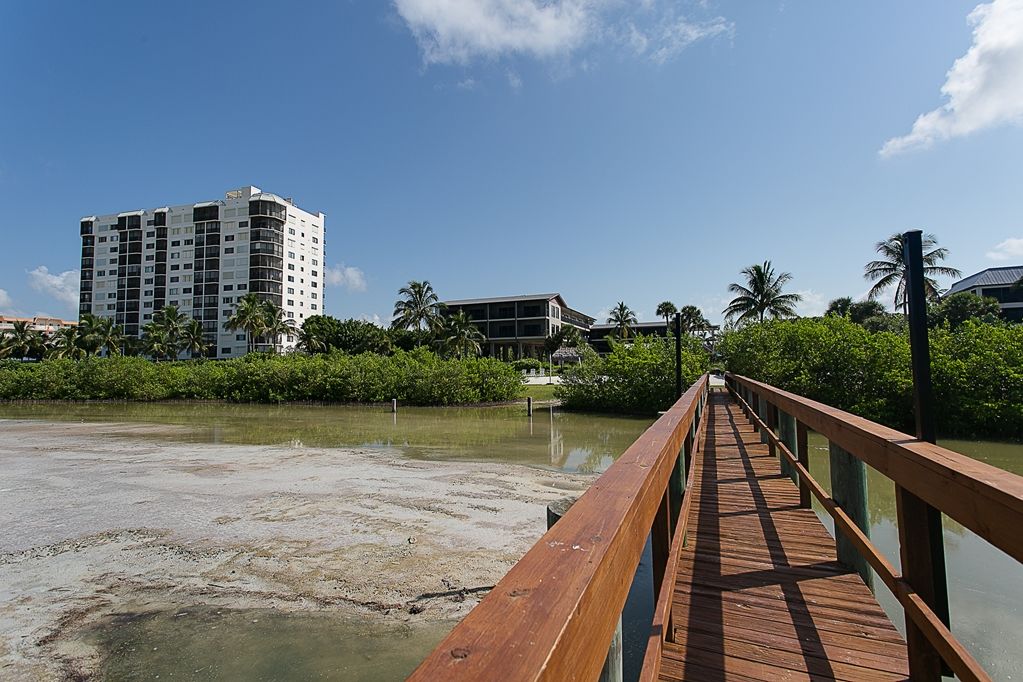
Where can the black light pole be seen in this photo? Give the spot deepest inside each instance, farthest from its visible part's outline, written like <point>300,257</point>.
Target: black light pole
<point>678,355</point>
<point>916,298</point>
<point>923,553</point>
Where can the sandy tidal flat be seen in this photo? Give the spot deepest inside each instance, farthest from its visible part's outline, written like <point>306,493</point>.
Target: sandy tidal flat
<point>97,525</point>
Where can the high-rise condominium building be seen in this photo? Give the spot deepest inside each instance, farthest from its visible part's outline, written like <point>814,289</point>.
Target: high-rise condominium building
<point>202,258</point>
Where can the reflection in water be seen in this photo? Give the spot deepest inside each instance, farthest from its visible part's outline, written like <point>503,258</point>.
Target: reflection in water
<point>550,439</point>
<point>985,584</point>
<point>205,643</point>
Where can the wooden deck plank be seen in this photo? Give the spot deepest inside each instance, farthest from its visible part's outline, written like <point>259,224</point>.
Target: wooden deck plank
<point>760,593</point>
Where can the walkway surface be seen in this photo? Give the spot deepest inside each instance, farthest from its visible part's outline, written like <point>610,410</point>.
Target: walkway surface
<point>760,594</point>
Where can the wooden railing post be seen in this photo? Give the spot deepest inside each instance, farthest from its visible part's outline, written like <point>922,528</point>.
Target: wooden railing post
<point>803,456</point>
<point>762,409</point>
<point>787,433</point>
<point>923,567</point>
<point>772,426</point>
<point>613,666</point>
<point>677,486</point>
<point>849,490</point>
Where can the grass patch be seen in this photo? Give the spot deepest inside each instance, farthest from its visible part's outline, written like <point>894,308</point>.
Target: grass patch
<point>538,392</point>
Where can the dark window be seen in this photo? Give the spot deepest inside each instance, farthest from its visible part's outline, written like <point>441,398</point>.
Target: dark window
<point>1005,294</point>
<point>203,214</point>
<point>160,219</point>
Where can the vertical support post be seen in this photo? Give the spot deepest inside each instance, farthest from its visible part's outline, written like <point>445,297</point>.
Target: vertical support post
<point>529,406</point>
<point>394,405</point>
<point>803,455</point>
<point>849,490</point>
<point>761,407</point>
<point>787,433</point>
<point>676,486</point>
<point>772,425</point>
<point>612,671</point>
<point>678,356</point>
<point>920,534</point>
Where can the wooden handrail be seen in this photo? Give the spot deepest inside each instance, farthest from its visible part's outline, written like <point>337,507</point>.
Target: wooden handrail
<point>985,499</point>
<point>554,613</point>
<point>940,476</point>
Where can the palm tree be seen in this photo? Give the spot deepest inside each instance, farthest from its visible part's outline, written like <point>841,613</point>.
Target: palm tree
<point>623,319</point>
<point>158,342</point>
<point>275,324</point>
<point>65,344</point>
<point>97,334</point>
<point>193,340</point>
<point>460,337</point>
<point>667,310</point>
<point>762,295</point>
<point>22,342</point>
<point>418,307</point>
<point>890,269</point>
<point>249,316</point>
<point>166,331</point>
<point>692,319</point>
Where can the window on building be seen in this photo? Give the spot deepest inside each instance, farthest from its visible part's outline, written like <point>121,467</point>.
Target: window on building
<point>291,254</point>
<point>228,299</point>
<point>229,238</point>
<point>229,249</point>
<point>242,287</point>
<point>291,290</point>
<point>291,278</point>
<point>243,223</point>
<point>149,280</point>
<point>228,287</point>
<point>313,306</point>
<point>291,301</point>
<point>149,269</point>
<point>189,242</point>
<point>102,240</point>
<point>186,290</point>
<point>176,242</point>
<point>291,266</point>
<point>150,257</point>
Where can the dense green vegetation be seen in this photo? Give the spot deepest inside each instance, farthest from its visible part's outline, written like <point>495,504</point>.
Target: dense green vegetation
<point>417,378</point>
<point>977,370</point>
<point>634,378</point>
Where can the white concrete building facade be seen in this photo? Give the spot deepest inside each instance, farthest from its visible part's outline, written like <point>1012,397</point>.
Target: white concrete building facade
<point>203,257</point>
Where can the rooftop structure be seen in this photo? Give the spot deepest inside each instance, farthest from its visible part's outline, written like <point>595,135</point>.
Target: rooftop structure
<point>999,284</point>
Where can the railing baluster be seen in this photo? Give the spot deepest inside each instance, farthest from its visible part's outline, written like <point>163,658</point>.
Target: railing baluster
<point>923,567</point>
<point>772,425</point>
<point>803,455</point>
<point>787,433</point>
<point>849,490</point>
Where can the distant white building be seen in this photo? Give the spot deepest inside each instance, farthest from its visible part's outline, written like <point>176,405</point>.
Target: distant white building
<point>202,258</point>
<point>47,326</point>
<point>997,283</point>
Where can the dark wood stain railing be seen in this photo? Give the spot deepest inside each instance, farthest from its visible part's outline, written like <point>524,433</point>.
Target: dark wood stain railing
<point>983,498</point>
<point>553,615</point>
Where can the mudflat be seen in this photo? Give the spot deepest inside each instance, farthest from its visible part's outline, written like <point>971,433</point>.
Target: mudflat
<point>96,525</point>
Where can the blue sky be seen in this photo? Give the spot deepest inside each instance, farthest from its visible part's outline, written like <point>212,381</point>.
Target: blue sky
<point>609,150</point>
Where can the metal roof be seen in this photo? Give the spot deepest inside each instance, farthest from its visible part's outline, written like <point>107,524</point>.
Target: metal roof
<point>505,299</point>
<point>269,196</point>
<point>130,213</point>
<point>631,326</point>
<point>992,277</point>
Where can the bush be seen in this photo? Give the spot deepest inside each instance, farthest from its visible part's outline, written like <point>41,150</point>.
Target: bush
<point>977,371</point>
<point>527,364</point>
<point>417,378</point>
<point>635,378</point>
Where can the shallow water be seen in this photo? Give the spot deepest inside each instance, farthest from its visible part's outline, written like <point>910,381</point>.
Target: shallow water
<point>258,644</point>
<point>550,439</point>
<point>985,585</point>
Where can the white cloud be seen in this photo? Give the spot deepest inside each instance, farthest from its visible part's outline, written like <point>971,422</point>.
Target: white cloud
<point>63,286</point>
<point>346,276</point>
<point>813,303</point>
<point>467,84</point>
<point>5,300</point>
<point>374,319</point>
<point>514,80</point>
<point>459,31</point>
<point>984,87</point>
<point>1010,249</point>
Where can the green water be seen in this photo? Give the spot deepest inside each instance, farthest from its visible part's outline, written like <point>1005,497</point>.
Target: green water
<point>985,585</point>
<point>550,439</point>
<point>258,644</point>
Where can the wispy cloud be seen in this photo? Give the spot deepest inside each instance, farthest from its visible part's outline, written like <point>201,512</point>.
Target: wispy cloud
<point>514,80</point>
<point>466,84</point>
<point>61,286</point>
<point>372,318</point>
<point>1010,249</point>
<point>460,31</point>
<point>347,276</point>
<point>5,301</point>
<point>984,87</point>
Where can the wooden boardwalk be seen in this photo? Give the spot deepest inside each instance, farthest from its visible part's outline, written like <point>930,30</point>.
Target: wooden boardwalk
<point>759,593</point>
